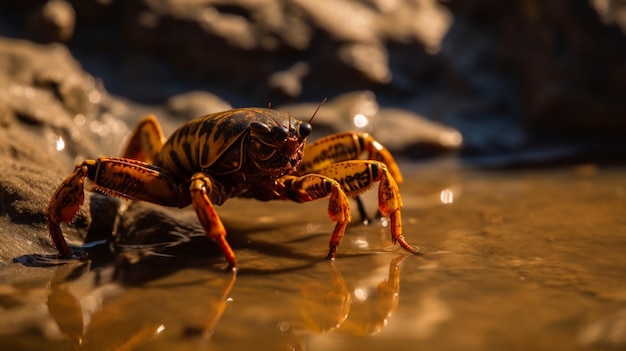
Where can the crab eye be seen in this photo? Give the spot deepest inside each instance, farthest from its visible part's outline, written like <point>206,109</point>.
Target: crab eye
<point>261,150</point>
<point>280,133</point>
<point>259,127</point>
<point>304,130</point>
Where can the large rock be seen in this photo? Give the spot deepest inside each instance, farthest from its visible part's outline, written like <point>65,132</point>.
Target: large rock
<point>51,114</point>
<point>547,78</point>
<point>346,44</point>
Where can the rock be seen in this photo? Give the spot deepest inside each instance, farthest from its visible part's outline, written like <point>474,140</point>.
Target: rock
<point>348,43</point>
<point>44,86</point>
<point>288,83</point>
<point>550,77</point>
<point>226,42</point>
<point>195,104</point>
<point>247,45</point>
<point>412,135</point>
<point>51,114</point>
<point>401,131</point>
<point>53,22</point>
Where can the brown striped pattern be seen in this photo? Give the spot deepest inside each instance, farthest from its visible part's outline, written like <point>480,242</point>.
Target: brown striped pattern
<point>198,144</point>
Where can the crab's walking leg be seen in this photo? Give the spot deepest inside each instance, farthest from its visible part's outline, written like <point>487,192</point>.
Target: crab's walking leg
<point>345,147</point>
<point>146,141</point>
<point>314,186</point>
<point>201,188</point>
<point>358,176</point>
<point>121,177</point>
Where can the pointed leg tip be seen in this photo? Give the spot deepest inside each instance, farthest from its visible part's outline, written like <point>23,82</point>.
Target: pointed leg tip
<point>331,254</point>
<point>418,251</point>
<point>232,268</point>
<point>59,242</point>
<point>415,250</point>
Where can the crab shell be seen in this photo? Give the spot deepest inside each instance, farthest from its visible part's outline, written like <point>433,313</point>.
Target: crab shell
<point>239,144</point>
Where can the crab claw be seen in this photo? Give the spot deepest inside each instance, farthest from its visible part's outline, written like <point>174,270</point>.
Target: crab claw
<point>64,204</point>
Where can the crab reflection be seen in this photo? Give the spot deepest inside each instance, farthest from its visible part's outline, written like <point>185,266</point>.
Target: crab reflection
<point>95,310</point>
<point>116,307</point>
<point>364,310</point>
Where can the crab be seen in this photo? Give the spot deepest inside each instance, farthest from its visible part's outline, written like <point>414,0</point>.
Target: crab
<point>258,153</point>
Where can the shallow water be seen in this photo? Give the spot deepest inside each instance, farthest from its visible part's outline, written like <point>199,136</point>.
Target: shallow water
<point>514,260</point>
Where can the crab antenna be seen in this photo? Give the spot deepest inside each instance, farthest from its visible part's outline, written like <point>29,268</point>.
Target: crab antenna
<point>269,106</point>
<point>317,109</point>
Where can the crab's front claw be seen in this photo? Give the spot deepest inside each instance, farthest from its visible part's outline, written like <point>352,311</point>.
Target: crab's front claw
<point>120,177</point>
<point>64,204</point>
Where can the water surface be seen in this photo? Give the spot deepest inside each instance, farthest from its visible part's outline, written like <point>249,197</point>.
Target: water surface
<point>514,260</point>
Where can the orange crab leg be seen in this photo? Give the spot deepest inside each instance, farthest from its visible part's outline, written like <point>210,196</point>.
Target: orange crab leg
<point>146,140</point>
<point>314,186</point>
<point>64,205</point>
<point>358,176</point>
<point>121,177</point>
<point>200,188</point>
<point>345,147</point>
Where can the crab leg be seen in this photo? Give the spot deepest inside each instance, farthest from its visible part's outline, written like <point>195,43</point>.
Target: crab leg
<point>121,177</point>
<point>358,176</point>
<point>146,140</point>
<point>314,186</point>
<point>201,188</point>
<point>345,147</point>
<point>64,205</point>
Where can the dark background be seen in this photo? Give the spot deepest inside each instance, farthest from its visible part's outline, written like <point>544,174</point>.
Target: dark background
<point>525,82</point>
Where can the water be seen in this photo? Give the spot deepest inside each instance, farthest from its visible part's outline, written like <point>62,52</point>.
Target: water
<point>515,260</point>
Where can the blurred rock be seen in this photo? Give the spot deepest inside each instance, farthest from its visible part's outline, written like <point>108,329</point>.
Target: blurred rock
<point>612,12</point>
<point>572,69</point>
<point>548,79</point>
<point>288,83</point>
<point>232,42</point>
<point>401,131</point>
<point>349,43</point>
<point>53,22</point>
<point>44,86</point>
<point>255,47</point>
<point>195,104</point>
<point>50,115</point>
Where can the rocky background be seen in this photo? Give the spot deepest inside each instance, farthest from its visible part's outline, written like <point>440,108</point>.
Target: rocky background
<point>493,83</point>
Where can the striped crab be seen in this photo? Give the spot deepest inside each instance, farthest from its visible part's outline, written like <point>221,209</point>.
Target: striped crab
<point>247,152</point>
